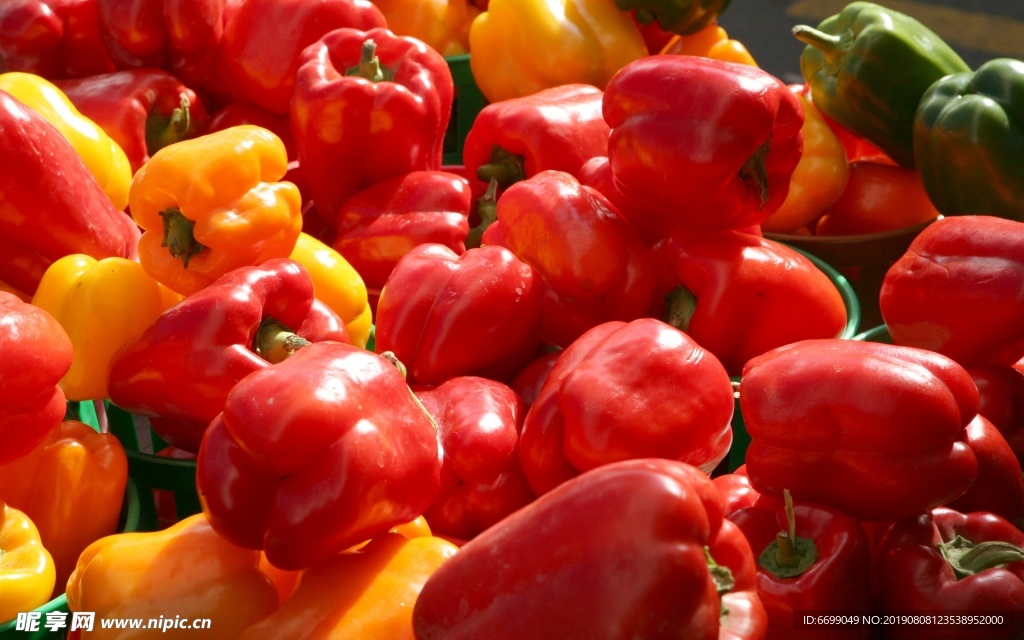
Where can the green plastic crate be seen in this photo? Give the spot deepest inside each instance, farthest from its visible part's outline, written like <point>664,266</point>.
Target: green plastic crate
<point>468,103</point>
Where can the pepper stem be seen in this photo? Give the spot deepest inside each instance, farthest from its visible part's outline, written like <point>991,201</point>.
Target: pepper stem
<point>393,359</point>
<point>722,576</point>
<point>162,131</point>
<point>274,342</point>
<point>178,237</point>
<point>788,556</point>
<point>810,36</point>
<point>487,209</point>
<point>369,66</point>
<point>507,167</point>
<point>680,305</point>
<point>753,171</point>
<point>967,558</point>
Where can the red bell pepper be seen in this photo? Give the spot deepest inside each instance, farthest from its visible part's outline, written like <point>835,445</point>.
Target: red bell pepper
<point>182,367</point>
<point>702,143</point>
<point>738,494</point>
<point>637,549</point>
<point>999,487</point>
<point>367,106</point>
<point>1001,401</point>
<point>871,429</point>
<point>237,113</point>
<point>445,315</point>
<point>811,560</point>
<point>52,38</point>
<point>741,295</point>
<point>478,424</point>
<point>52,205</point>
<point>382,223</point>
<point>37,354</point>
<point>622,390</point>
<point>317,454</point>
<point>143,110</point>
<point>959,290</point>
<point>594,267</point>
<point>952,566</point>
<point>530,379</point>
<point>179,36</point>
<point>558,128</point>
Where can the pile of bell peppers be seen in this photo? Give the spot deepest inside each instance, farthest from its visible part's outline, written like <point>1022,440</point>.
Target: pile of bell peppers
<point>507,398</point>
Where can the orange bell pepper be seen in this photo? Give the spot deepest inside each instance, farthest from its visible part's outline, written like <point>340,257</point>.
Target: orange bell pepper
<point>367,594</point>
<point>213,204</point>
<point>26,568</point>
<point>102,304</point>
<point>71,486</point>
<point>710,42</point>
<point>186,570</point>
<point>819,178</point>
<point>441,24</point>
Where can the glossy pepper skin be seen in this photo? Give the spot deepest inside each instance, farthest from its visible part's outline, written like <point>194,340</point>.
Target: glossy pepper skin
<point>143,110</point>
<point>637,568</point>
<point>367,106</point>
<point>868,67</point>
<point>26,568</point>
<point>182,367</point>
<point>891,448</point>
<point>913,573</point>
<point>676,16</point>
<point>1001,402</point>
<point>446,315</point>
<point>264,41</point>
<point>741,295</point>
<point>101,304</point>
<point>968,132</point>
<point>382,223</point>
<point>180,36</point>
<point>558,128</point>
<point>478,425</point>
<point>214,204</point>
<point>710,41</point>
<point>317,454</point>
<point>71,486</point>
<point>37,354</point>
<point>49,214</point>
<point>52,38</point>
<point>976,265</point>
<point>594,267</point>
<point>100,153</point>
<point>583,41</point>
<point>143,575</point>
<point>661,110</point>
<point>621,391</point>
<point>442,24</point>
<point>367,594</point>
<point>999,487</point>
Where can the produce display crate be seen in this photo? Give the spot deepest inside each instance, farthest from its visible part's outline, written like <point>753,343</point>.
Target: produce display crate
<point>468,103</point>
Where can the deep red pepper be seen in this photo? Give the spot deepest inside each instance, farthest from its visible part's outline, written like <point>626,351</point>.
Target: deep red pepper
<point>52,38</point>
<point>641,389</point>
<point>741,295</point>
<point>446,315</point>
<point>958,290</point>
<point>594,267</point>
<point>702,143</point>
<point>871,429</point>
<point>183,366</point>
<point>382,223</point>
<point>143,110</point>
<point>237,113</point>
<point>478,424</point>
<point>264,39</point>
<point>317,454</point>
<point>1001,401</point>
<point>999,487</point>
<point>530,379</point>
<point>924,567</point>
<point>50,204</point>
<point>558,128</point>
<point>179,36</point>
<point>592,561</point>
<point>367,106</point>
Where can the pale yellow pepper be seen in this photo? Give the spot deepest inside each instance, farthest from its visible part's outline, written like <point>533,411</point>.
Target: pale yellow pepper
<point>337,285</point>
<point>102,156</point>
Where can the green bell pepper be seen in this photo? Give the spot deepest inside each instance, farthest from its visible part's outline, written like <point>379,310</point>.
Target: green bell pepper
<point>868,67</point>
<point>969,141</point>
<point>676,16</point>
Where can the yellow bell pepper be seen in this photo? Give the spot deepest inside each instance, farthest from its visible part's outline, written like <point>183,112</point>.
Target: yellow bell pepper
<point>819,178</point>
<point>710,42</point>
<point>107,162</point>
<point>27,573</point>
<point>102,304</point>
<point>522,46</point>
<point>441,24</point>
<point>337,285</point>
<point>71,486</point>
<point>186,570</point>
<point>213,204</point>
<point>367,594</point>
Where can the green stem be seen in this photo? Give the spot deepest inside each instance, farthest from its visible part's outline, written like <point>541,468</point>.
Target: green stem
<point>722,576</point>
<point>162,131</point>
<point>680,305</point>
<point>504,166</point>
<point>369,66</point>
<point>810,36</point>
<point>178,237</point>
<point>788,556</point>
<point>274,342</point>
<point>644,16</point>
<point>487,209</point>
<point>393,359</point>
<point>967,558</point>
<point>753,171</point>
